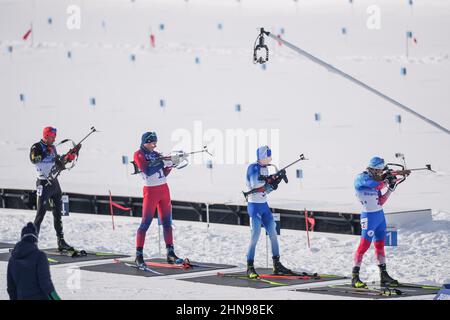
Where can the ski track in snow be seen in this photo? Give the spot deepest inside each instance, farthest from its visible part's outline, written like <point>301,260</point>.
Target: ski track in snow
<point>421,257</point>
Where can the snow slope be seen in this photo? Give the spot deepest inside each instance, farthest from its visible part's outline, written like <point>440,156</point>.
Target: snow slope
<point>356,124</point>
<point>421,257</point>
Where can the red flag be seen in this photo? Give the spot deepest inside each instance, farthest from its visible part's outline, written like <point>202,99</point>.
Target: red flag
<point>25,36</point>
<point>312,223</point>
<point>307,227</point>
<point>152,40</point>
<point>116,205</point>
<point>415,40</point>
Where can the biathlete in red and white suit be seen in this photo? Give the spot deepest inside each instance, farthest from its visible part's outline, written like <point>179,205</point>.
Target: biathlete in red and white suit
<point>368,186</point>
<point>154,171</point>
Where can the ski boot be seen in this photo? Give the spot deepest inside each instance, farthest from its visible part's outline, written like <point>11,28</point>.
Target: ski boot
<point>172,257</point>
<point>139,261</point>
<point>63,246</point>
<point>385,279</point>
<point>356,281</point>
<point>279,269</point>
<point>251,272</point>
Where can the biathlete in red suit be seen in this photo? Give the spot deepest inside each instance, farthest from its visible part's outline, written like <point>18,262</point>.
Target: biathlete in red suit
<point>154,171</point>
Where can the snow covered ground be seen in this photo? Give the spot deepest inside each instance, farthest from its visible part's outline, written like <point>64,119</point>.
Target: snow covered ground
<point>200,98</point>
<point>421,257</point>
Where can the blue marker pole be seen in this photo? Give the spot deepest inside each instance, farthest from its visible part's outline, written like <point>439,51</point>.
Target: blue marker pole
<point>398,119</point>
<point>10,50</point>
<point>409,35</point>
<point>125,163</point>
<point>92,102</point>
<point>411,5</point>
<point>403,71</point>
<point>299,174</point>
<point>209,165</point>
<point>344,33</point>
<point>22,99</point>
<point>318,118</point>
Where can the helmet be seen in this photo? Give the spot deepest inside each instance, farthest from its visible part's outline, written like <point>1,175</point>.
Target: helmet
<point>49,132</point>
<point>376,163</point>
<point>263,153</point>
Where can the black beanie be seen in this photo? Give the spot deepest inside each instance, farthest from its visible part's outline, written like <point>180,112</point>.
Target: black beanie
<point>29,233</point>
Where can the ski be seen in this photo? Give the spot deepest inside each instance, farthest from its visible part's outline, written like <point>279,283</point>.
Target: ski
<point>360,292</point>
<point>104,254</point>
<point>166,265</point>
<point>69,253</point>
<point>144,268</point>
<point>374,291</point>
<point>409,285</point>
<point>220,274</point>
<point>288,277</point>
<point>179,264</point>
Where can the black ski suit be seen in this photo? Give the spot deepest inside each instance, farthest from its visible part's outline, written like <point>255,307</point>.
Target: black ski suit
<point>44,157</point>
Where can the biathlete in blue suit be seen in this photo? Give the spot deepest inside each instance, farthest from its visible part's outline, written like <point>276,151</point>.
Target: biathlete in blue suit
<point>259,180</point>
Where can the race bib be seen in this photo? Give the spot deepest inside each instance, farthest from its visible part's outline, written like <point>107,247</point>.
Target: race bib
<point>364,223</point>
<point>39,190</point>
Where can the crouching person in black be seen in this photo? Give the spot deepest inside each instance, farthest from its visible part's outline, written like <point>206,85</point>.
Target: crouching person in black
<point>28,270</point>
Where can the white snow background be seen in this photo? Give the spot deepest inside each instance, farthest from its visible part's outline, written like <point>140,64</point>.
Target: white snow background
<point>356,124</point>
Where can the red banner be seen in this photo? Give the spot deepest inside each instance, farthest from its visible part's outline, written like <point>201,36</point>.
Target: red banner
<point>116,205</point>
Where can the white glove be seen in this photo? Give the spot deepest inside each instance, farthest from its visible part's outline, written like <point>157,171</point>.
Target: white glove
<point>168,163</point>
<point>177,157</point>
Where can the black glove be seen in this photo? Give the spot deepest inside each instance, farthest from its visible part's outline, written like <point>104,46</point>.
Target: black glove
<point>274,180</point>
<point>59,163</point>
<point>283,176</point>
<point>392,182</point>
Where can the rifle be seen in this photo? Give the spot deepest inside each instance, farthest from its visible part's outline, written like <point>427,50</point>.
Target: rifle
<point>402,171</point>
<point>60,163</point>
<point>280,174</point>
<point>179,153</point>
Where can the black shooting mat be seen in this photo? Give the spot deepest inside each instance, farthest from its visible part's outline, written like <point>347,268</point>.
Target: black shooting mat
<point>126,268</point>
<point>239,279</point>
